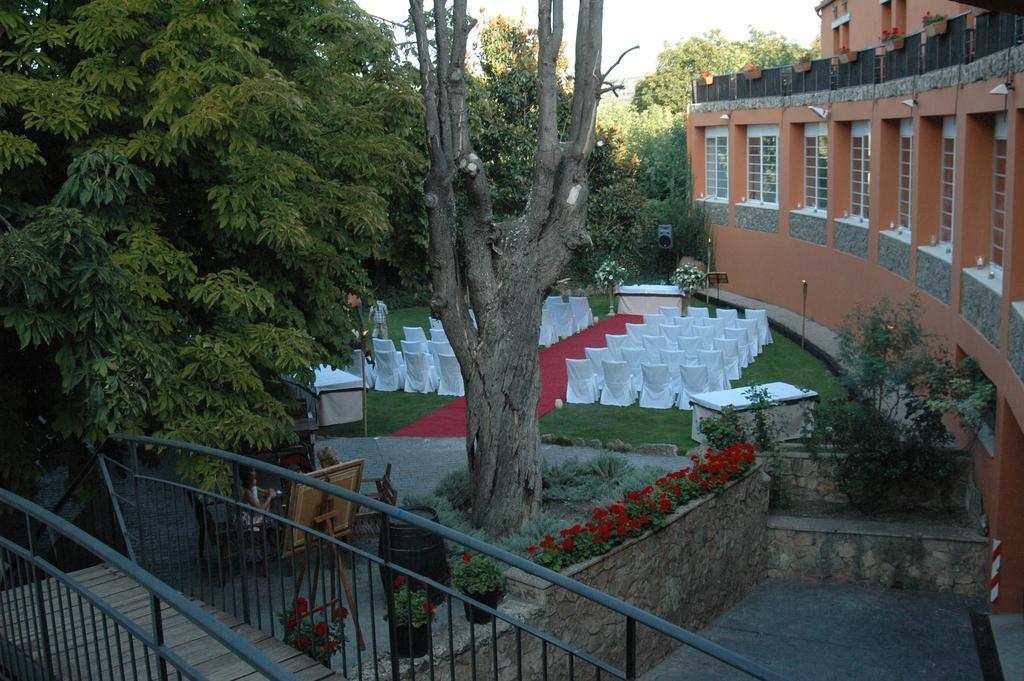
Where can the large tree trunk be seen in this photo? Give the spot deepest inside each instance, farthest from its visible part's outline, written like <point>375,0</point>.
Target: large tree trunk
<point>507,268</point>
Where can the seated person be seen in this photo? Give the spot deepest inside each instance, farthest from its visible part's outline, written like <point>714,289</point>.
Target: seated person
<point>254,496</point>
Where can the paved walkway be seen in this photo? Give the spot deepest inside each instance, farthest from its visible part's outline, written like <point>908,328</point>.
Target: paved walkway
<point>829,632</point>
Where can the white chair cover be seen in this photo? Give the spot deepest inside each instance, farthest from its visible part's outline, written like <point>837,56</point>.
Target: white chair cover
<point>730,357</point>
<point>697,312</point>
<point>420,376</point>
<point>562,315</point>
<point>674,359</point>
<point>618,384</point>
<point>717,324</point>
<point>355,369</point>
<point>438,348</point>
<point>654,322</point>
<point>581,312</point>
<point>636,333</point>
<point>451,377</point>
<point>390,376</point>
<point>729,314</point>
<point>707,337</point>
<point>438,335</point>
<point>414,333</point>
<point>548,332</point>
<point>753,336</point>
<point>657,392</point>
<point>383,345</point>
<point>695,380</point>
<point>581,388</point>
<point>672,333</point>
<point>686,324</point>
<point>597,356</point>
<point>615,344</point>
<point>634,357</point>
<point>689,344</point>
<point>435,323</point>
<point>761,316</point>
<point>551,300</point>
<point>653,345</point>
<point>713,360</point>
<point>415,346</point>
<point>743,344</point>
<point>668,310</point>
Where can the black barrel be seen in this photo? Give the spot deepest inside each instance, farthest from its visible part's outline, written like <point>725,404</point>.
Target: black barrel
<point>417,549</point>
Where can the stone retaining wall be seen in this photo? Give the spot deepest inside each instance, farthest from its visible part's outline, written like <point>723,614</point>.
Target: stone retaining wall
<point>757,218</point>
<point>852,239</point>
<point>868,553</point>
<point>716,212</point>
<point>934,275</point>
<point>808,228</point>
<point>894,255</point>
<point>981,306</point>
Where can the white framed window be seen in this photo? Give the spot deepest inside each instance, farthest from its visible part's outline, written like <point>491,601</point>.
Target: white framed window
<point>905,208</point>
<point>860,169</point>
<point>998,231</point>
<point>716,162</point>
<point>816,166</point>
<point>947,179</point>
<point>763,164</point>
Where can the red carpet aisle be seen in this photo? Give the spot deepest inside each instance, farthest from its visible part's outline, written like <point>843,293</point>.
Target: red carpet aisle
<point>450,420</point>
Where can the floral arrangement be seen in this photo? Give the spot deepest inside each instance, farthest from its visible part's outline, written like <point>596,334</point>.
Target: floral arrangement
<point>643,510</point>
<point>749,66</point>
<point>317,632</point>
<point>708,77</point>
<point>688,277</point>
<point>412,607</point>
<point>609,274</point>
<point>895,33</point>
<point>477,575</point>
<point>930,18</point>
<point>844,48</point>
<point>722,431</point>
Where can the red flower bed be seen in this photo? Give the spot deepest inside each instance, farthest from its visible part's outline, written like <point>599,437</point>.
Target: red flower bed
<point>644,509</point>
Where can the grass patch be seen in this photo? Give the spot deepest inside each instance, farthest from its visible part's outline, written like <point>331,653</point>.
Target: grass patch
<point>388,412</point>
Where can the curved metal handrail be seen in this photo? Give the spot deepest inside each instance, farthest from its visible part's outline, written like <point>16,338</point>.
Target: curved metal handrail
<point>231,641</point>
<point>628,611</point>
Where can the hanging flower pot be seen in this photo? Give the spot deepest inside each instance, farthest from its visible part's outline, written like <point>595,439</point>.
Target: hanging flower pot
<point>751,72</point>
<point>802,66</point>
<point>847,57</point>
<point>708,77</point>
<point>936,28</point>
<point>893,44</point>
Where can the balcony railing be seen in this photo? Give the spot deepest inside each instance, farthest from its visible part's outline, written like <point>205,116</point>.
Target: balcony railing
<point>961,44</point>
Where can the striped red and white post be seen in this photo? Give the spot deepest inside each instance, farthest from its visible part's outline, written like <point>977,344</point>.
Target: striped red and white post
<point>997,559</point>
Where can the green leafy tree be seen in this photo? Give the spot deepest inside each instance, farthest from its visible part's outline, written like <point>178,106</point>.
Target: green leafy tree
<point>188,193</point>
<point>670,84</point>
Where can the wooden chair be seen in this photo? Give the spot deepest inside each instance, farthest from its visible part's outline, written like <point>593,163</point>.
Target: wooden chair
<point>367,522</point>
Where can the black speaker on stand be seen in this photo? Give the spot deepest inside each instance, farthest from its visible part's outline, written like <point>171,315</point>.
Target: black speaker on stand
<point>665,237</point>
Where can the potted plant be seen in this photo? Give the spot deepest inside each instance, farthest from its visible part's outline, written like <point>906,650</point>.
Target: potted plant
<point>804,64</point>
<point>751,72</point>
<point>935,24</point>
<point>479,577</point>
<point>318,632</point>
<point>846,56</point>
<point>893,39</point>
<point>609,275</point>
<point>708,77</point>
<point>688,277</point>
<point>413,610</point>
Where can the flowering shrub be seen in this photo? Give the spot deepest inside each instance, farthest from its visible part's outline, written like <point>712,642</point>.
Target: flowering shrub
<point>895,33</point>
<point>688,277</point>
<point>644,509</point>
<point>930,18</point>
<point>317,632</point>
<point>477,575</point>
<point>412,607</point>
<point>609,274</point>
<point>722,431</point>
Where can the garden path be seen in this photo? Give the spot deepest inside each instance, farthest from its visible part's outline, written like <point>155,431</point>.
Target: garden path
<point>450,420</point>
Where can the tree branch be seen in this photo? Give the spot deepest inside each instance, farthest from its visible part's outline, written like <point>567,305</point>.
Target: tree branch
<point>604,76</point>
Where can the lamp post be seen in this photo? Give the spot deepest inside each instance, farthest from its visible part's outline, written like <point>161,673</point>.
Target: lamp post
<point>803,315</point>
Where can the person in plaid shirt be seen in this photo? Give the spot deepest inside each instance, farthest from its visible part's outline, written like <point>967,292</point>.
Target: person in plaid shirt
<point>379,316</point>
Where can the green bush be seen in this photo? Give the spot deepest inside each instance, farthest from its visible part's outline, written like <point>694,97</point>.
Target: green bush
<point>722,431</point>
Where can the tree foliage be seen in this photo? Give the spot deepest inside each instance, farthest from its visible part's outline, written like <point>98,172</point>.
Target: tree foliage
<point>188,192</point>
<point>670,84</point>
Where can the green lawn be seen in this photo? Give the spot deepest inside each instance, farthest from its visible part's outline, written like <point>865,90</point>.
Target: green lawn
<point>783,360</point>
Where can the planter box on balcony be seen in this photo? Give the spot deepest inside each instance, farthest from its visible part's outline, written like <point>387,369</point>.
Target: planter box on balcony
<point>936,28</point>
<point>708,80</point>
<point>894,44</point>
<point>802,66</point>
<point>752,74</point>
<point>847,57</point>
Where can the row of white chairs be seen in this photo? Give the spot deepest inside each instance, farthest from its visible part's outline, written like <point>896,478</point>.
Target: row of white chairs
<point>660,386</point>
<point>421,366</point>
<point>560,318</point>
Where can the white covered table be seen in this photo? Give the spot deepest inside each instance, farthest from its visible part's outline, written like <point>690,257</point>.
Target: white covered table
<point>339,396</point>
<point>789,412</point>
<point>647,298</point>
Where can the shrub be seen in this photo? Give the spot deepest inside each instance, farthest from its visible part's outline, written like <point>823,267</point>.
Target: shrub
<point>477,575</point>
<point>722,431</point>
<point>455,488</point>
<point>318,632</point>
<point>412,607</point>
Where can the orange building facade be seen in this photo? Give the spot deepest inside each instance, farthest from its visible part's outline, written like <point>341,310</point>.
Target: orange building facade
<point>894,172</point>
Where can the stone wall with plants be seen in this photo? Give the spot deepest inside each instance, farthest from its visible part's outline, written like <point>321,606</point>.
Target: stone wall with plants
<point>868,553</point>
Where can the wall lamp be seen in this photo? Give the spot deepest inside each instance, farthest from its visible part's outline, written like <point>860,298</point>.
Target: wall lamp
<point>1001,89</point>
<point>909,102</point>
<point>822,113</point>
<point>724,117</point>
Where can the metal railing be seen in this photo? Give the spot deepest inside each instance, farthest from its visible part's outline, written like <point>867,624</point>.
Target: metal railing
<point>230,554</point>
<point>993,32</point>
<point>54,626</point>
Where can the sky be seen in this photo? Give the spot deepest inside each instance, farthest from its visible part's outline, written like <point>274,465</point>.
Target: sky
<point>651,24</point>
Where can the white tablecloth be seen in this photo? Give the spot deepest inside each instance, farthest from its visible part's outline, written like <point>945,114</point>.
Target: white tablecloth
<point>647,298</point>
<point>789,412</point>
<point>339,396</point>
